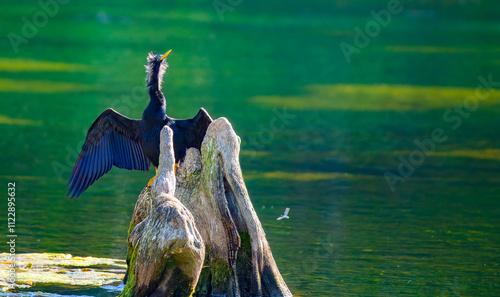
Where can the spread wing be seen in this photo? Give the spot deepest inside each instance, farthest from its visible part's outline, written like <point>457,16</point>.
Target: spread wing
<point>111,140</point>
<point>189,132</point>
<point>202,120</point>
<point>199,128</point>
<point>286,211</point>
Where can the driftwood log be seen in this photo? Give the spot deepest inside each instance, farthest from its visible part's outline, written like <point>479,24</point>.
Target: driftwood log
<point>196,233</point>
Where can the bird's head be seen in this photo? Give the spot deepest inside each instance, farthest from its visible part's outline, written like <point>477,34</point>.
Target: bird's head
<point>156,67</point>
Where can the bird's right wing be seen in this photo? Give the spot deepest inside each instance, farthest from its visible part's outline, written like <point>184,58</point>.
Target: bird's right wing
<point>111,140</point>
<point>286,211</point>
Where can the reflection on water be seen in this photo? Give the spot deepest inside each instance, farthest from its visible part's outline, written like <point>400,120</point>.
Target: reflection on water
<point>35,86</point>
<point>30,65</point>
<point>378,98</point>
<point>24,122</point>
<point>348,234</point>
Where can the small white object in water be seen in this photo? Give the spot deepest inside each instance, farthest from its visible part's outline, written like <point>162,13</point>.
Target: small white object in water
<point>284,215</point>
<point>154,237</point>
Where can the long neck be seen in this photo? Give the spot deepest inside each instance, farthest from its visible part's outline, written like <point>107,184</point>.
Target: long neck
<point>157,104</point>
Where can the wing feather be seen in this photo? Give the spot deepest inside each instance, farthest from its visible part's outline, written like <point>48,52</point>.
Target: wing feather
<point>83,165</point>
<point>88,169</point>
<point>111,140</point>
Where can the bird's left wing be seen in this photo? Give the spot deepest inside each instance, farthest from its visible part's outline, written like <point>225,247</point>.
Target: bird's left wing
<point>200,125</point>
<point>111,140</point>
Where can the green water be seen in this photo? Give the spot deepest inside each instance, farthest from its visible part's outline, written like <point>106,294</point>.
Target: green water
<point>348,234</point>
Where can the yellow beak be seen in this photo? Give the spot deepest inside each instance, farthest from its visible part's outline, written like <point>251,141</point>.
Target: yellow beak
<point>165,55</point>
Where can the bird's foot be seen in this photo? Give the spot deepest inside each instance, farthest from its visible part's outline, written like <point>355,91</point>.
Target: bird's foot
<point>151,181</point>
<point>153,178</point>
<point>156,169</point>
<point>176,166</point>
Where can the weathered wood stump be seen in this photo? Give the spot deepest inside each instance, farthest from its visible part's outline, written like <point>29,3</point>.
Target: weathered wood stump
<point>206,239</point>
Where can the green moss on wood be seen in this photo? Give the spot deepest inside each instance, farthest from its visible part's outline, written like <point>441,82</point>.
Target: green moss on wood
<point>245,245</point>
<point>204,287</point>
<point>179,284</point>
<point>131,257</point>
<point>244,263</point>
<point>129,289</point>
<point>210,166</point>
<point>221,272</point>
<point>214,276</point>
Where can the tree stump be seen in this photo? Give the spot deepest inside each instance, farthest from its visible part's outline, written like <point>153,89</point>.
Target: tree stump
<point>206,238</point>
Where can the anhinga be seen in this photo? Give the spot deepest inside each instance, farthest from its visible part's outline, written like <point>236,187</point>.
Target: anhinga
<point>114,139</point>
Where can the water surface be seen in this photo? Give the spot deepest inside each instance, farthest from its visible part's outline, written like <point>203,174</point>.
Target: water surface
<point>348,234</point>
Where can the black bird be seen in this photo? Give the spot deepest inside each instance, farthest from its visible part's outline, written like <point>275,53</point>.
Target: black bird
<point>114,139</point>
